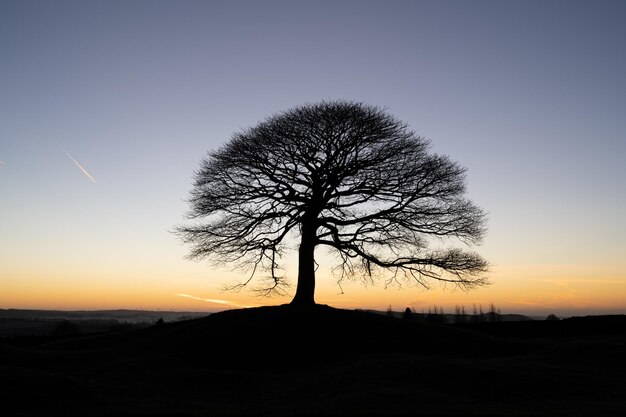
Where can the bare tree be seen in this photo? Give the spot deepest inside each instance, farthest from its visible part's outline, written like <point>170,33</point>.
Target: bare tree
<point>459,314</point>
<point>343,175</point>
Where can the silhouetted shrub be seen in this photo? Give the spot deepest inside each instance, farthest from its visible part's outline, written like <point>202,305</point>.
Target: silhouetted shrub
<point>408,314</point>
<point>552,317</point>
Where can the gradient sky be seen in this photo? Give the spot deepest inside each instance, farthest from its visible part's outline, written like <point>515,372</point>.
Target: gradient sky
<point>530,96</point>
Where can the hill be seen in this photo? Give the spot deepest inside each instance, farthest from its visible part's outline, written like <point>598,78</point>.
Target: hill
<point>132,316</point>
<point>285,361</point>
<point>21,322</point>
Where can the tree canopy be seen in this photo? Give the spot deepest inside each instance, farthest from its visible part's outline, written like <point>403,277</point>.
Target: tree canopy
<point>343,175</point>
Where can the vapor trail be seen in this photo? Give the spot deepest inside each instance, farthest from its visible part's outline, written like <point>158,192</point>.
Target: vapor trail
<point>210,300</point>
<point>79,166</point>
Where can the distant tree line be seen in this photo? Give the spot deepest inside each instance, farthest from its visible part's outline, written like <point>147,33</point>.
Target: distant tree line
<point>437,315</point>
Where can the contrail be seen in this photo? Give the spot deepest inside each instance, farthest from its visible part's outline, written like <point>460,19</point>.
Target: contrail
<point>210,300</point>
<point>79,166</point>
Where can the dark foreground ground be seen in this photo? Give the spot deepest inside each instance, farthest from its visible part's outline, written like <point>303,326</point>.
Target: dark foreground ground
<point>278,361</point>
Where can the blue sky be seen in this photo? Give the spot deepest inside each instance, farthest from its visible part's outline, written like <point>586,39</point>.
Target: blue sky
<point>530,96</point>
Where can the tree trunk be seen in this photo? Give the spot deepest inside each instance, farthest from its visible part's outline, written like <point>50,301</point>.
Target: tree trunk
<point>305,291</point>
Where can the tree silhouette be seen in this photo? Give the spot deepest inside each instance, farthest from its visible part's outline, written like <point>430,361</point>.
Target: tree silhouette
<point>343,175</point>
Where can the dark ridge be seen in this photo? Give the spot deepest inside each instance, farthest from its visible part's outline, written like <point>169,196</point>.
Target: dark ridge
<point>298,337</point>
<point>284,361</point>
<point>320,334</point>
<point>566,328</point>
<point>120,314</point>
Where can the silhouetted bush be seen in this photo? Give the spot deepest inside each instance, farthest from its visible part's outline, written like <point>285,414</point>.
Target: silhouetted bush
<point>408,314</point>
<point>552,317</point>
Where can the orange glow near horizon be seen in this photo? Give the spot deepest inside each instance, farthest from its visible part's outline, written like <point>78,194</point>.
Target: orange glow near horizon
<point>518,288</point>
<point>528,102</point>
<point>527,289</point>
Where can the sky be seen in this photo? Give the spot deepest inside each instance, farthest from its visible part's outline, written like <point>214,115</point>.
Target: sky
<point>108,107</point>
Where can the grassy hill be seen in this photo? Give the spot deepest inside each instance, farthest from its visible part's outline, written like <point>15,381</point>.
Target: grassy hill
<point>325,361</point>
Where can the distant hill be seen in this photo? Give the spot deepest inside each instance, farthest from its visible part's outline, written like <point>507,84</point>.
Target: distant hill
<point>17,322</point>
<point>131,316</point>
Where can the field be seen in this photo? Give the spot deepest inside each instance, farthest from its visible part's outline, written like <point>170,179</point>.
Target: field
<point>283,361</point>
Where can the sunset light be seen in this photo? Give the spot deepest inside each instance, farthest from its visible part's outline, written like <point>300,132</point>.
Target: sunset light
<point>341,208</point>
<point>528,101</point>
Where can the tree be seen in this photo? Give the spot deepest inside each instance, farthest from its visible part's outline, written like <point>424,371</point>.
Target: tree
<point>341,175</point>
<point>459,314</point>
